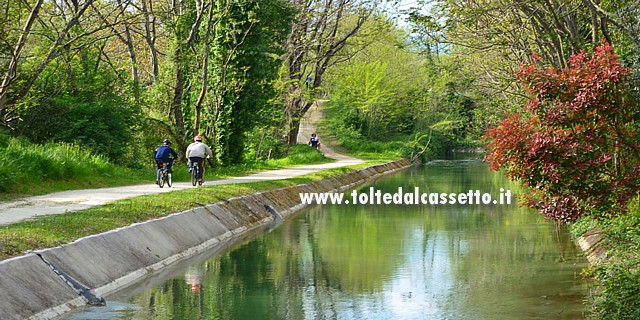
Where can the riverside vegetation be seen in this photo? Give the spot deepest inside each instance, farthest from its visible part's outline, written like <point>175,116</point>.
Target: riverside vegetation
<point>618,278</point>
<point>575,149</point>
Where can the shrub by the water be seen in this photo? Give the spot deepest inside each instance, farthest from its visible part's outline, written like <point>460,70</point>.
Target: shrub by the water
<point>616,294</point>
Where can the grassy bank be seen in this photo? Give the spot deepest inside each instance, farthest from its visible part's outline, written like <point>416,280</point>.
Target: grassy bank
<point>616,292</point>
<point>49,231</point>
<point>338,129</point>
<point>27,168</point>
<point>31,169</point>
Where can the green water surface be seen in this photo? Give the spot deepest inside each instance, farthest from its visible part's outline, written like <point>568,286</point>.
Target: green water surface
<point>480,261</point>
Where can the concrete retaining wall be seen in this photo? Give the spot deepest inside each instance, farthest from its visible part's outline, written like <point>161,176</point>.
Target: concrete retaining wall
<point>106,262</point>
<point>591,244</point>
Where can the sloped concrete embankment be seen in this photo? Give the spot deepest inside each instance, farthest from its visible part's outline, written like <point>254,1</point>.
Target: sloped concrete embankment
<point>51,282</point>
<point>591,244</point>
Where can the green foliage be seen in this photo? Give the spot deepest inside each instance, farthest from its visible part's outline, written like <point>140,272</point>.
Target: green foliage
<point>101,122</point>
<point>5,138</point>
<point>24,163</point>
<point>349,137</point>
<point>150,135</point>
<point>391,89</point>
<point>83,107</point>
<point>378,87</point>
<point>617,291</point>
<point>618,295</point>
<point>264,142</point>
<point>247,42</point>
<point>582,225</point>
<point>7,15</point>
<point>299,154</point>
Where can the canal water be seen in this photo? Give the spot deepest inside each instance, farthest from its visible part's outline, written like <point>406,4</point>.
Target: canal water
<point>379,261</point>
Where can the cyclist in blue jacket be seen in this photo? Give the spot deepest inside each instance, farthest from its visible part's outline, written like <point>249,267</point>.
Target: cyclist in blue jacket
<point>163,153</point>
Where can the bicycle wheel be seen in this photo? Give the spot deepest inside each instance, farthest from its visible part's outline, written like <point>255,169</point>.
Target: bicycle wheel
<point>159,177</point>
<point>194,175</point>
<point>199,176</point>
<point>161,182</point>
<point>169,180</point>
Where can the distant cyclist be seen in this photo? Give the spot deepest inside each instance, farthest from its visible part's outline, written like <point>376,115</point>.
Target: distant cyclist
<point>196,153</point>
<point>314,141</point>
<point>165,153</point>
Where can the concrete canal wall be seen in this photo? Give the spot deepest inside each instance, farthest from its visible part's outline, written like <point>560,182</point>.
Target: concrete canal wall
<point>51,282</point>
<point>591,244</point>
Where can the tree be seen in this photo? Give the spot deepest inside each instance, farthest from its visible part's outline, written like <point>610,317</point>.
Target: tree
<point>245,50</point>
<point>576,145</point>
<point>491,37</point>
<point>12,91</point>
<point>318,37</point>
<point>187,15</point>
<point>381,86</point>
<point>191,65</point>
<point>15,56</point>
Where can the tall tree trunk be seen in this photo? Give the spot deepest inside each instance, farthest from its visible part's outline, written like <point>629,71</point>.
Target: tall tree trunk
<point>181,67</point>
<point>150,37</point>
<point>293,120</point>
<point>205,74</point>
<point>134,62</point>
<point>176,104</point>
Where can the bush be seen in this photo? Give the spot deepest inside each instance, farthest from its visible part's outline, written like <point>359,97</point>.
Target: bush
<point>4,138</point>
<point>93,115</point>
<point>617,295</point>
<point>263,144</point>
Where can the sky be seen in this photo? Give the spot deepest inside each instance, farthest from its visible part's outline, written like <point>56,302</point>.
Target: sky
<point>403,5</point>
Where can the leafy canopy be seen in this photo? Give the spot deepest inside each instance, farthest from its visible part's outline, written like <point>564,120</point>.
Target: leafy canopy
<point>575,145</point>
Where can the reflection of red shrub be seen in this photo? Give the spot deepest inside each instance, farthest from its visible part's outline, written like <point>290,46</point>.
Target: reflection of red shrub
<point>575,146</point>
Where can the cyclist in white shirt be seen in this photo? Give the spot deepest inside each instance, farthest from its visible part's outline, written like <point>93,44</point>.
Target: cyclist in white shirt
<point>197,152</point>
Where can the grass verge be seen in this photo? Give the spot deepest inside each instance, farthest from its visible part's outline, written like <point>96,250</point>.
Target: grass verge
<point>27,169</point>
<point>616,292</point>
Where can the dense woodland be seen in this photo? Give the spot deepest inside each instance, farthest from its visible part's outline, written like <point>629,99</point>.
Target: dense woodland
<point>118,76</point>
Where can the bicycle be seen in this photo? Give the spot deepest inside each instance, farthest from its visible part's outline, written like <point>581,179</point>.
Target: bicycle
<point>163,175</point>
<point>195,174</point>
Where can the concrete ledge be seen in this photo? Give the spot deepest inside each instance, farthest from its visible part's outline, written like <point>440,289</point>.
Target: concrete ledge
<point>590,243</point>
<point>113,260</point>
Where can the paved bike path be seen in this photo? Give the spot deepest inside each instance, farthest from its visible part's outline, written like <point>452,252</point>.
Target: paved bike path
<point>75,200</point>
